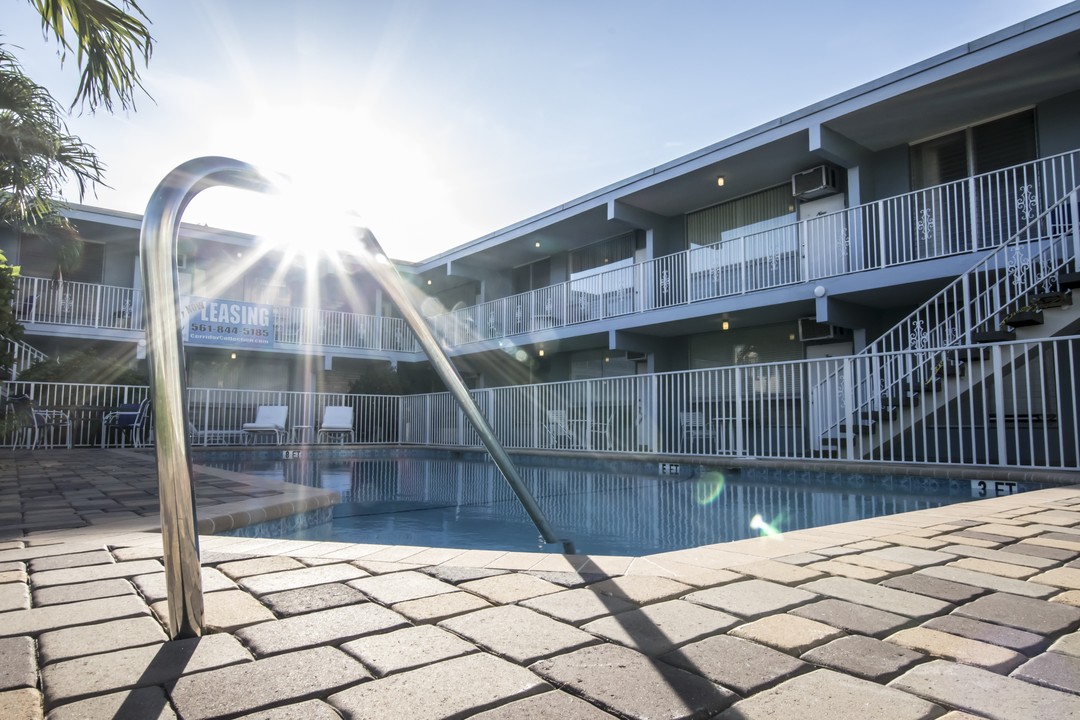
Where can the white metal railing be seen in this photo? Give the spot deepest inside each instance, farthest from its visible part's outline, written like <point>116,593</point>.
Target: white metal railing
<point>40,300</point>
<point>1017,404</point>
<point>984,298</point>
<point>23,355</point>
<point>952,219</point>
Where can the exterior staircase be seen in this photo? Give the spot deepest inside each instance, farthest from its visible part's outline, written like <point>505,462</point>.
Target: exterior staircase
<point>23,356</point>
<point>971,331</point>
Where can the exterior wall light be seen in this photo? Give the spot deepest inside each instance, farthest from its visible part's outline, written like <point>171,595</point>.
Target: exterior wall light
<point>541,353</point>
<point>428,282</point>
<point>537,244</point>
<point>720,181</point>
<point>725,325</point>
<point>233,356</point>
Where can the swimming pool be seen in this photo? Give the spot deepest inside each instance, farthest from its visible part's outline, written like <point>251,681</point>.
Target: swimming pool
<point>460,500</point>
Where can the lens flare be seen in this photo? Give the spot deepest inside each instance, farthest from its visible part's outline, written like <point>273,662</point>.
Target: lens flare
<point>764,528</point>
<point>708,489</point>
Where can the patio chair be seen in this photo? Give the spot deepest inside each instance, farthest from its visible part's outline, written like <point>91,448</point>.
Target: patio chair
<point>601,429</point>
<point>694,431</point>
<point>337,420</point>
<point>559,430</point>
<point>130,421</point>
<point>269,420</point>
<point>34,424</point>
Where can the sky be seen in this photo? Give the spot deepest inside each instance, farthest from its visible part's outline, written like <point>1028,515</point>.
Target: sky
<point>439,122</point>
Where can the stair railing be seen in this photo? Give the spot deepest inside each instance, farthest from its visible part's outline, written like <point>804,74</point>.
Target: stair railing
<point>981,299</point>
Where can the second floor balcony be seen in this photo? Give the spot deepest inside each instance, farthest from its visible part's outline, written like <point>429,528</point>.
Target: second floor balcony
<point>963,217</point>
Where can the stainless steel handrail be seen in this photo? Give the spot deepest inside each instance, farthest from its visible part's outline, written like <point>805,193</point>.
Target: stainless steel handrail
<point>168,386</point>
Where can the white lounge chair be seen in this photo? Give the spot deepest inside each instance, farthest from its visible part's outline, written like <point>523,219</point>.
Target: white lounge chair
<point>269,419</point>
<point>337,420</point>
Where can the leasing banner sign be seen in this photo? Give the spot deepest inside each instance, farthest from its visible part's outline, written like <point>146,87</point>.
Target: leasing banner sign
<point>228,323</point>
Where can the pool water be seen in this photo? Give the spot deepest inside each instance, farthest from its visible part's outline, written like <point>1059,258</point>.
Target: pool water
<point>429,500</point>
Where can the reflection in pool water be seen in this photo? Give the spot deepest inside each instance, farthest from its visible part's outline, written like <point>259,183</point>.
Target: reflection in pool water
<point>623,509</point>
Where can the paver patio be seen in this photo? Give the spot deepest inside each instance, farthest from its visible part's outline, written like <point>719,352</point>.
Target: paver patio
<point>965,611</point>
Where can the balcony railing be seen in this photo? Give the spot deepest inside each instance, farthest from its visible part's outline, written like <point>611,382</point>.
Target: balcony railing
<point>952,219</point>
<point>40,300</point>
<point>1015,406</point>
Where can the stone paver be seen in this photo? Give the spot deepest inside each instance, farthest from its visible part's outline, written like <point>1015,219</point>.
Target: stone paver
<point>993,567</point>
<point>1069,597</point>
<point>305,600</point>
<point>14,596</point>
<point>740,665</point>
<point>779,572</point>
<point>307,710</point>
<point>1005,555</point>
<point>553,705</point>
<point>844,569</point>
<point>259,566</point>
<point>988,581</point>
<point>440,607</point>
<point>153,586</point>
<point>1018,640</point>
<point>960,649</point>
<point>265,683</point>
<point>985,693</point>
<point>1037,616</point>
<point>1053,670</point>
<point>878,597</point>
<point>658,628</point>
<point>224,611</point>
<point>437,691</point>
<point>37,620</point>
<point>406,649</point>
<point>306,577</point>
<point>916,557</point>
<point>578,606</point>
<point>853,618</point>
<point>325,627</point>
<point>18,663</point>
<point>83,591</point>
<point>788,633</point>
<point>402,586</point>
<point>947,590</point>
<point>752,598</point>
<point>21,704</point>
<point>510,588</point>
<point>1040,551</point>
<point>101,638</point>
<point>517,633</point>
<point>148,703</point>
<point>1067,645</point>
<point>828,695</point>
<point>138,667</point>
<point>864,657</point>
<point>1066,578</point>
<point>69,576</point>
<point>641,589</point>
<point>630,684</point>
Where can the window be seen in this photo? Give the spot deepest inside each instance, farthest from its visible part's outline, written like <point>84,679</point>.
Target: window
<point>598,255</point>
<point>532,276</point>
<point>975,150</point>
<point>754,213</point>
<point>38,259</point>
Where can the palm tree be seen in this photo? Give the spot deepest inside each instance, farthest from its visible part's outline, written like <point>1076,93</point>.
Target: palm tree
<point>107,38</point>
<point>37,153</point>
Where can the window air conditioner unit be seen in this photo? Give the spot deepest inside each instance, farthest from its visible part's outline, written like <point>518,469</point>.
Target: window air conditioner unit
<point>816,182</point>
<point>811,329</point>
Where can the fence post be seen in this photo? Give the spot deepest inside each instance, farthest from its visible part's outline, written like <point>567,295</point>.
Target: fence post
<point>999,405</point>
<point>849,407</point>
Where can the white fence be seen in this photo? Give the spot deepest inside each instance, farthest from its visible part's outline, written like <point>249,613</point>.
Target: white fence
<point>1010,404</point>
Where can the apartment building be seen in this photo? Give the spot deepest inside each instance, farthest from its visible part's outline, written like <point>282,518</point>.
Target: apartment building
<point>808,237</point>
